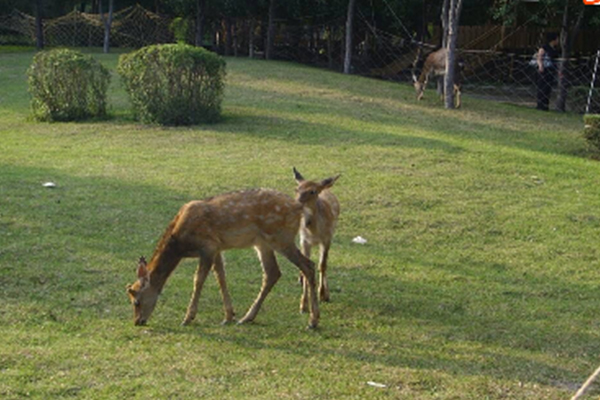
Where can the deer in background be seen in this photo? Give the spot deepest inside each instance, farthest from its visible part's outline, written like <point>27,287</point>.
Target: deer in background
<point>321,212</point>
<point>435,65</point>
<point>264,219</point>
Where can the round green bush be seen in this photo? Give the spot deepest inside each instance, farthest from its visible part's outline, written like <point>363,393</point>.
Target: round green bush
<point>66,85</point>
<point>174,84</point>
<point>592,130</point>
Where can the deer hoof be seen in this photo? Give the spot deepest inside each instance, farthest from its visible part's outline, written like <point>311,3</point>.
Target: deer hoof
<point>245,320</point>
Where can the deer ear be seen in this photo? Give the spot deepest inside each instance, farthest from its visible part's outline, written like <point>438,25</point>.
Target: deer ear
<point>327,183</point>
<point>142,271</point>
<point>297,175</point>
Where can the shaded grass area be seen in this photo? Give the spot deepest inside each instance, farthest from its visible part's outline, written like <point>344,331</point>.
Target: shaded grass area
<point>479,278</point>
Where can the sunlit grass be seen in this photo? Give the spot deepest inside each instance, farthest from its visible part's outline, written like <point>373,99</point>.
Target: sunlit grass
<point>479,278</point>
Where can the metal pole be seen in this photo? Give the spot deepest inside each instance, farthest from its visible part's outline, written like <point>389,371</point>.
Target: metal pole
<point>589,100</point>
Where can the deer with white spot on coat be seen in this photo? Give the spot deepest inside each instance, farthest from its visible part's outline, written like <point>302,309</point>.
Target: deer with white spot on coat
<point>264,219</point>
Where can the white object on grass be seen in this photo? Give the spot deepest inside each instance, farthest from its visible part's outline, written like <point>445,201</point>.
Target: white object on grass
<point>359,240</point>
<point>377,385</point>
<point>49,185</point>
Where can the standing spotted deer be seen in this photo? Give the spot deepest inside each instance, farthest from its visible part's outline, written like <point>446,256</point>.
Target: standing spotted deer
<point>321,212</point>
<point>435,65</point>
<point>264,219</point>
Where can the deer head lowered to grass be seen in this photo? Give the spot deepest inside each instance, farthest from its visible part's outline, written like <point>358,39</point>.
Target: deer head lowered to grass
<point>264,219</point>
<point>435,65</point>
<point>321,212</point>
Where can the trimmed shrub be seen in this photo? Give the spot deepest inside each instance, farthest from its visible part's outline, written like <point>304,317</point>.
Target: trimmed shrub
<point>66,85</point>
<point>174,84</point>
<point>591,131</point>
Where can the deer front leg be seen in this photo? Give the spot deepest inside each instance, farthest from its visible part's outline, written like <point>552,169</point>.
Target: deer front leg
<point>323,285</point>
<point>199,279</point>
<point>271,275</point>
<point>307,268</point>
<point>219,270</point>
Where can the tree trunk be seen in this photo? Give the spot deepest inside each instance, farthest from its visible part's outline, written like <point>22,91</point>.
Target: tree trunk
<point>444,19</point>
<point>227,32</point>
<point>270,31</point>
<point>444,22</point>
<point>39,28</point>
<point>567,39</point>
<point>330,47</point>
<point>251,37</point>
<point>234,36</point>
<point>349,31</point>
<point>200,11</point>
<point>107,22</point>
<point>453,19</point>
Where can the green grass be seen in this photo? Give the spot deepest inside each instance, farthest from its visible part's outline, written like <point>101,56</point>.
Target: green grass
<point>479,279</point>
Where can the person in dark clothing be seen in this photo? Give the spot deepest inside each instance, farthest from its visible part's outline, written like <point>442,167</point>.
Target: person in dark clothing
<point>546,70</point>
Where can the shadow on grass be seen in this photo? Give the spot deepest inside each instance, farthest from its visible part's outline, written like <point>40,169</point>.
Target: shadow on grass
<point>84,223</point>
<point>79,226</point>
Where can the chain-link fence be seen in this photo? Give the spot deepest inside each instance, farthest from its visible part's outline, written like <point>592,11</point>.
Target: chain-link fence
<point>131,28</point>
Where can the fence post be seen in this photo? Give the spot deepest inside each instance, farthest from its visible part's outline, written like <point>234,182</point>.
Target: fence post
<point>589,99</point>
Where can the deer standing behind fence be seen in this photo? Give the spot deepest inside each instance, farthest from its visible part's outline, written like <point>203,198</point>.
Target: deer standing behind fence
<point>321,212</point>
<point>264,219</point>
<point>435,65</point>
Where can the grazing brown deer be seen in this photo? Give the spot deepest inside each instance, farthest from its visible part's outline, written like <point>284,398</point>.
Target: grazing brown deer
<point>321,212</point>
<point>264,219</point>
<point>435,65</point>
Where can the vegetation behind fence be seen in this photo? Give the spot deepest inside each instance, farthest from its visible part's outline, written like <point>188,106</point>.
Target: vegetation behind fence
<point>496,57</point>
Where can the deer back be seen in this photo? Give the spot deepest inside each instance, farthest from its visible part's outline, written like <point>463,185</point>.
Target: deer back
<point>436,63</point>
<point>239,219</point>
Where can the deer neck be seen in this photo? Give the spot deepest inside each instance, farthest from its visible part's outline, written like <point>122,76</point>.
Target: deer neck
<point>165,259</point>
<point>311,210</point>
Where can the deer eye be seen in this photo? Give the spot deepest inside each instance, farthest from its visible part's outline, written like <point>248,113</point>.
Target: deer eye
<point>136,303</point>
<point>313,192</point>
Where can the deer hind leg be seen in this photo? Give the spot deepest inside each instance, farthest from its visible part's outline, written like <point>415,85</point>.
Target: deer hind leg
<point>323,285</point>
<point>219,270</point>
<point>199,279</point>
<point>306,248</point>
<point>307,268</point>
<point>304,306</point>
<point>457,94</point>
<point>271,275</point>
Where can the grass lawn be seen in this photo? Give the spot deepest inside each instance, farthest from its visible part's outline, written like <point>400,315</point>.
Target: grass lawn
<point>480,278</point>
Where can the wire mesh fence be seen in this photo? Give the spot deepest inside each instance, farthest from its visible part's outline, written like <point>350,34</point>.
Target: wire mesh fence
<point>132,27</point>
<point>496,61</point>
